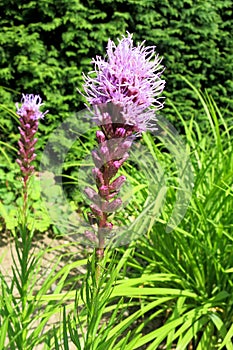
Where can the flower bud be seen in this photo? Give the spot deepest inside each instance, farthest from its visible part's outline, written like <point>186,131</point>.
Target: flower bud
<point>116,184</point>
<point>98,176</point>
<point>109,225</point>
<point>92,195</point>
<point>113,206</point>
<point>96,159</point>
<point>104,152</point>
<point>96,210</point>
<point>120,132</point>
<point>104,191</point>
<point>100,136</point>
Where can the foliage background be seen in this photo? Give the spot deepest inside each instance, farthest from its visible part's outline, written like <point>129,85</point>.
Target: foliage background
<point>46,46</point>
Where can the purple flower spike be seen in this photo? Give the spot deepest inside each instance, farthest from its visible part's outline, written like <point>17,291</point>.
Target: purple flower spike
<point>29,114</point>
<point>124,96</point>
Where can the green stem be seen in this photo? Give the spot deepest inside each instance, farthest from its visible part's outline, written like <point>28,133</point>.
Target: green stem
<point>99,252</point>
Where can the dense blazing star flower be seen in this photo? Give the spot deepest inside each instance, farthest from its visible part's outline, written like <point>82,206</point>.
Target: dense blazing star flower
<point>124,96</point>
<point>29,113</point>
<point>130,79</point>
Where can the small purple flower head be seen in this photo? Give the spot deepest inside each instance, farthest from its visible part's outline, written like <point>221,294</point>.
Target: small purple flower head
<point>130,78</point>
<point>30,108</point>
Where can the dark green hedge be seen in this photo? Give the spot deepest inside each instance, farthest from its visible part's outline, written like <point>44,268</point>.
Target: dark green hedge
<point>46,45</point>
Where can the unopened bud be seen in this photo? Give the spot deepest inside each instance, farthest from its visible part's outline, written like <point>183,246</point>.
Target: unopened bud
<point>104,191</point>
<point>113,206</point>
<point>96,210</point>
<point>116,184</point>
<point>104,152</point>
<point>96,159</point>
<point>98,176</point>
<point>92,195</point>
<point>120,132</point>
<point>109,225</point>
<point>100,136</point>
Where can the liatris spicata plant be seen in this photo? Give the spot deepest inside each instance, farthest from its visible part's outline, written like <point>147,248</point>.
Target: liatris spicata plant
<point>124,95</point>
<point>29,114</point>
